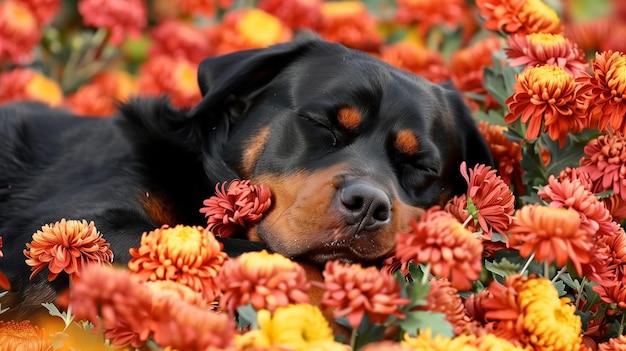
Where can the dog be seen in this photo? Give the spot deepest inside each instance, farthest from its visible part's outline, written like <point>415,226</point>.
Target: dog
<point>351,148</point>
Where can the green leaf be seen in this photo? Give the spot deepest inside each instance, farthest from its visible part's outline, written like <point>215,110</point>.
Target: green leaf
<point>500,79</point>
<point>420,320</point>
<point>493,117</point>
<point>570,282</point>
<point>67,317</point>
<point>560,287</point>
<point>503,268</point>
<point>247,316</point>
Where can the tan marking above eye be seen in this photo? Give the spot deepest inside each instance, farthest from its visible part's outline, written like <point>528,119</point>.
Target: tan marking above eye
<point>406,142</point>
<point>252,152</point>
<point>349,117</point>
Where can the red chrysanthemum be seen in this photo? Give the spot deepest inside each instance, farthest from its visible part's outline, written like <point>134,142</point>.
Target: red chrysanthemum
<point>203,8</point>
<point>350,23</point>
<point>119,17</point>
<point>174,77</point>
<point>551,234</point>
<point>296,14</point>
<point>410,57</point>
<point>353,291</point>
<point>440,240</point>
<point>507,154</point>
<point>605,161</point>
<point>101,96</point>
<point>537,49</point>
<point>44,10</point>
<point>22,84</point>
<point>545,98</point>
<point>265,280</point>
<point>66,246</point>
<point>491,197</point>
<point>444,298</point>
<point>177,38</point>
<point>519,16</point>
<point>605,91</point>
<point>185,254</point>
<point>430,13</point>
<point>19,32</point>
<point>241,205</point>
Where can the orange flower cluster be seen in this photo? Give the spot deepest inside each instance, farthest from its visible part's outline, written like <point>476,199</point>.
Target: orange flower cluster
<point>23,84</point>
<point>506,153</point>
<point>23,335</point>
<point>519,16</point>
<point>20,30</point>
<point>119,17</point>
<point>423,62</point>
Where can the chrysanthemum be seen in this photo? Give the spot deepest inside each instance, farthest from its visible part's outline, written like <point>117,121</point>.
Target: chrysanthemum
<point>177,290</point>
<point>44,10</point>
<point>550,323</point>
<point>605,161</point>
<point>537,49</point>
<point>605,90</point>
<point>426,341</point>
<point>545,99</point>
<point>589,35</point>
<point>594,215</point>
<point>241,205</point>
<point>576,173</point>
<point>206,8</point>
<point>174,77</point>
<point>439,240</point>
<point>519,16</point>
<point>467,65</point>
<point>507,154</point>
<point>551,234</point>
<point>350,23</point>
<point>23,84</point>
<point>186,254</point>
<point>430,13</point>
<point>23,336</point>
<point>242,29</point>
<point>66,246</point>
<point>101,96</point>
<point>182,39</point>
<point>265,280</point>
<point>444,298</point>
<point>491,196</point>
<point>19,32</point>
<point>116,301</point>
<point>353,291</point>
<point>499,307</point>
<point>418,60</point>
<point>297,14</point>
<point>613,344</point>
<point>616,206</point>
<point>119,17</point>
<point>298,327</point>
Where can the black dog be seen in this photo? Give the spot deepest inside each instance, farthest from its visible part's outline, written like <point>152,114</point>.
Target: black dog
<point>350,147</point>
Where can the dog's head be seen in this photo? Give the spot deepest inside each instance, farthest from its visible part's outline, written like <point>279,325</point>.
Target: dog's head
<point>351,147</point>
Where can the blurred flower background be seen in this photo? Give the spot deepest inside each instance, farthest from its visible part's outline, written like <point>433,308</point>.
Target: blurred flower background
<point>532,257</point>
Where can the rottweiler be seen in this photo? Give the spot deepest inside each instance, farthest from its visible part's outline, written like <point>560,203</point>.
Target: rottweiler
<point>350,147</point>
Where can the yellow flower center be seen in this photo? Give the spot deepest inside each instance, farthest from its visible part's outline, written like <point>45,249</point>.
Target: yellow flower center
<point>185,241</point>
<point>547,39</point>
<point>539,17</point>
<point>342,8</point>
<point>260,28</point>
<point>271,262</point>
<point>616,76</point>
<point>41,88</point>
<point>546,83</point>
<point>20,17</point>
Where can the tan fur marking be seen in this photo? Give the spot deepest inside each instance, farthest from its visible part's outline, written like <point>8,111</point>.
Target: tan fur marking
<point>349,117</point>
<point>252,152</point>
<point>406,142</point>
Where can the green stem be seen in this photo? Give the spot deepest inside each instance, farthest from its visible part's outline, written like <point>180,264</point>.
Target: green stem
<point>559,274</point>
<point>621,324</point>
<point>532,256</point>
<point>353,336</point>
<point>426,274</point>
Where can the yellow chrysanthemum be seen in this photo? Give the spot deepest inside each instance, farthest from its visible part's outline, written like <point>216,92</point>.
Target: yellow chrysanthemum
<point>297,327</point>
<point>426,341</point>
<point>550,323</point>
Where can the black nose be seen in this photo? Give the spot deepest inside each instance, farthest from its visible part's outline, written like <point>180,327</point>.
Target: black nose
<point>364,205</point>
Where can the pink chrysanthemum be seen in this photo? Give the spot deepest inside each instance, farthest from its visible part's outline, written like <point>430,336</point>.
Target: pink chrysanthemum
<point>182,39</point>
<point>241,205</point>
<point>605,161</point>
<point>120,17</point>
<point>297,14</point>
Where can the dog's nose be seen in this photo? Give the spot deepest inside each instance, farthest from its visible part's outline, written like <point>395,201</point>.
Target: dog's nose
<point>364,205</point>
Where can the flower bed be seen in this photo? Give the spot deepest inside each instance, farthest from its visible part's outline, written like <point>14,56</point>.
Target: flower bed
<point>530,257</point>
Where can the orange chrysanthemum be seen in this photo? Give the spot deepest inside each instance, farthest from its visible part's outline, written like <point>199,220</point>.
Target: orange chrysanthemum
<point>119,17</point>
<point>519,16</point>
<point>444,298</point>
<point>613,344</point>
<point>185,254</point>
<point>243,29</point>
<point>616,206</point>
<point>467,65</point>
<point>589,35</point>
<point>66,246</point>
<point>537,49</point>
<point>354,291</point>
<point>296,14</point>
<point>429,13</point>
<point>551,234</point>
<point>23,336</point>
<point>499,307</point>
<point>19,32</point>
<point>605,91</point>
<point>413,58</point>
<point>101,96</point>
<point>605,161</point>
<point>44,10</point>
<point>240,206</point>
<point>177,38</point>
<point>507,154</point>
<point>491,197</point>
<point>23,84</point>
<point>265,280</point>
<point>545,99</point>
<point>206,8</point>
<point>350,23</point>
<point>174,77</point>
<point>440,240</point>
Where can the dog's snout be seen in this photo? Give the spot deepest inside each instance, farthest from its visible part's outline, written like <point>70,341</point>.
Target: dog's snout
<point>365,205</point>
